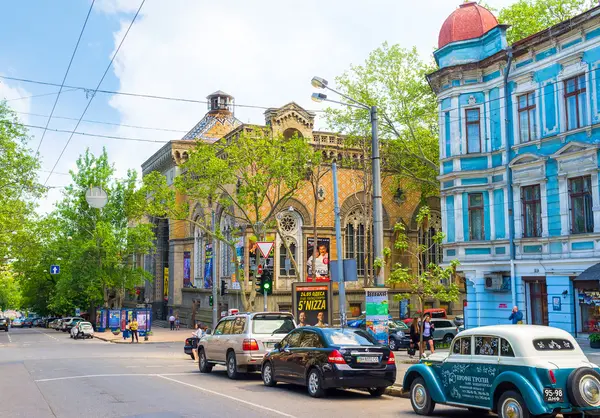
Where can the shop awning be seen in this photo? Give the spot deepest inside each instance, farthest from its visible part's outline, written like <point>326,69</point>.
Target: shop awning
<point>590,274</point>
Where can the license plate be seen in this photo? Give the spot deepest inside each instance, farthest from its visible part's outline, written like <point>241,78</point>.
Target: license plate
<point>269,345</point>
<point>365,359</point>
<point>553,395</point>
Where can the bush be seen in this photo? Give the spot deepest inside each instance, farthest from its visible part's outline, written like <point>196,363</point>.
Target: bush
<point>595,337</point>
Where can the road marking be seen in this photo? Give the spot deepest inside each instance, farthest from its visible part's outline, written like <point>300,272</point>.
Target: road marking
<point>54,379</point>
<point>132,367</point>
<point>212,392</point>
<point>9,339</point>
<point>47,335</point>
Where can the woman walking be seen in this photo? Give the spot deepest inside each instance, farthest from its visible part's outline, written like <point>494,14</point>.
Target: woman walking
<point>414,337</point>
<point>428,329</point>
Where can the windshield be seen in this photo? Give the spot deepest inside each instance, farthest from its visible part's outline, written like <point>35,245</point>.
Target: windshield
<point>272,324</point>
<point>348,337</point>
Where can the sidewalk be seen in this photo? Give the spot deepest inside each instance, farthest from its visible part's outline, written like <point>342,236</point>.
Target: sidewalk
<point>403,362</point>
<point>159,335</point>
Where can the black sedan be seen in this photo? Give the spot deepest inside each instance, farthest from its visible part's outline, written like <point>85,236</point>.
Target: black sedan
<point>326,358</point>
<point>189,345</point>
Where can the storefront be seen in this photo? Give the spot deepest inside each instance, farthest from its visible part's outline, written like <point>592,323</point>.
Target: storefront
<point>589,305</point>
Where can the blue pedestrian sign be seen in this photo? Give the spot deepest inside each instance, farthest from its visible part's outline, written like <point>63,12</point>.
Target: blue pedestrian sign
<point>54,269</point>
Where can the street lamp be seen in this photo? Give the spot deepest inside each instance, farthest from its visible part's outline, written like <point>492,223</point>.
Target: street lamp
<point>321,83</point>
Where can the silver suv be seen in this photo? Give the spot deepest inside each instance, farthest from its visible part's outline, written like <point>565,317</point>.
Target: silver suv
<point>444,330</point>
<point>241,341</point>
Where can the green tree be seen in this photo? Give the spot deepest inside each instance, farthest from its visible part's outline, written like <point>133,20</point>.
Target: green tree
<point>527,17</point>
<point>426,282</point>
<point>10,292</point>
<point>250,177</point>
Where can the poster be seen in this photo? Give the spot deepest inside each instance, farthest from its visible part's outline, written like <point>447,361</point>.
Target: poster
<point>113,319</point>
<point>312,304</point>
<point>321,253</point>
<point>187,268</point>
<point>377,312</point>
<point>239,253</point>
<point>208,266</point>
<point>166,282</point>
<point>142,318</point>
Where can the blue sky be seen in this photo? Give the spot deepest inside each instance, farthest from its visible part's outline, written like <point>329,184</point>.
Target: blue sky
<point>263,52</point>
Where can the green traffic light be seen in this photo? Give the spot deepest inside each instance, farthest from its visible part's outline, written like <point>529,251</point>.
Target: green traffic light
<point>267,285</point>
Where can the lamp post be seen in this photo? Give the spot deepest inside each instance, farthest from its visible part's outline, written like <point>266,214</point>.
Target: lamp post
<point>321,83</point>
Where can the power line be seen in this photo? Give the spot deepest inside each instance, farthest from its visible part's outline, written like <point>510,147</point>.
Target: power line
<point>66,74</point>
<point>39,95</point>
<point>96,89</point>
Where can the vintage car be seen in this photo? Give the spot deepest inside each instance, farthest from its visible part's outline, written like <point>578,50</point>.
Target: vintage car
<point>517,371</point>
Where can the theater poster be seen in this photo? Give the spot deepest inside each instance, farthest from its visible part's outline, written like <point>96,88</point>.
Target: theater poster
<point>312,304</point>
<point>320,252</point>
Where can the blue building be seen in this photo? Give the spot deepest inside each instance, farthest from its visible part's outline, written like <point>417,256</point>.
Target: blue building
<point>519,143</point>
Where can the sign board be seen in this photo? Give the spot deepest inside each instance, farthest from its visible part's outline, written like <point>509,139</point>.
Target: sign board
<point>377,314</point>
<point>350,274</point>
<point>556,303</point>
<point>265,248</point>
<point>312,303</point>
<point>320,252</point>
<point>77,312</point>
<point>54,269</point>
<point>503,306</point>
<point>208,266</point>
<point>166,282</point>
<point>187,268</point>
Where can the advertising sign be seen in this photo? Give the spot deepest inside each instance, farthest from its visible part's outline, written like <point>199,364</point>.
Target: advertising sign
<point>556,303</point>
<point>377,313</point>
<point>187,268</point>
<point>208,266</point>
<point>239,253</point>
<point>321,254</point>
<point>166,282</point>
<point>113,319</point>
<point>312,303</point>
<point>143,320</point>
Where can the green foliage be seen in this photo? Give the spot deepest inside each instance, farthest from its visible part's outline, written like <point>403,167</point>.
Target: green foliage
<point>595,337</point>
<point>10,292</point>
<point>527,17</point>
<point>394,79</point>
<point>428,284</point>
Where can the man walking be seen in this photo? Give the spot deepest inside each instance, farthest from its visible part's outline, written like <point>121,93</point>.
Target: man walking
<point>516,316</point>
<point>133,328</point>
<point>172,322</point>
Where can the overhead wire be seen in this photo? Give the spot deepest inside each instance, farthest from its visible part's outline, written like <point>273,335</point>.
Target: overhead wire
<point>96,89</point>
<point>66,75</point>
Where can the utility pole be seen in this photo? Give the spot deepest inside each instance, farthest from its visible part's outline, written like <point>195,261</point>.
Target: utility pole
<point>338,246</point>
<point>215,307</point>
<point>377,205</point>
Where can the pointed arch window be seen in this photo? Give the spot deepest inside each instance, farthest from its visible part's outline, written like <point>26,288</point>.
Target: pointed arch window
<point>433,252</point>
<point>355,239</point>
<point>290,224</point>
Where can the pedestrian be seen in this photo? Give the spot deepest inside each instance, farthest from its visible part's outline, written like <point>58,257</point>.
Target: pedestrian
<point>415,337</point>
<point>126,331</point>
<point>199,333</point>
<point>177,323</point>
<point>133,328</point>
<point>172,322</point>
<point>516,316</point>
<point>427,329</point>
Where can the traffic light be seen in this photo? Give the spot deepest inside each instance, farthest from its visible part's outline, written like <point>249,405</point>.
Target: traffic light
<point>210,300</point>
<point>266,283</point>
<point>258,284</point>
<point>223,287</point>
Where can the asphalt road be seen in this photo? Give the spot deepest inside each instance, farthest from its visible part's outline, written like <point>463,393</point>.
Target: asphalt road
<point>44,373</point>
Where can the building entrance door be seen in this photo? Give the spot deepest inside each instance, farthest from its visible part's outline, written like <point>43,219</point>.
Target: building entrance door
<point>538,302</point>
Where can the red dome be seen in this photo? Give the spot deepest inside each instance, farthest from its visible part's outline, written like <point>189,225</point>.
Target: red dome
<point>469,21</point>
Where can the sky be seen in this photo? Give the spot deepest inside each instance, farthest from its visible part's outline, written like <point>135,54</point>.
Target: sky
<point>263,52</point>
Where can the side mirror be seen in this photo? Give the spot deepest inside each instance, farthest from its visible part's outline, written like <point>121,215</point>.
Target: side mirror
<point>208,331</point>
<point>277,346</point>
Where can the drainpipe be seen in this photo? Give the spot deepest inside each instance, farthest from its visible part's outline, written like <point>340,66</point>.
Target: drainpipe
<point>509,191</point>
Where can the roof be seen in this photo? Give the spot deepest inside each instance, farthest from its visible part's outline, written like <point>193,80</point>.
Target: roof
<point>518,331</point>
<point>469,21</point>
<point>219,93</point>
<point>591,273</point>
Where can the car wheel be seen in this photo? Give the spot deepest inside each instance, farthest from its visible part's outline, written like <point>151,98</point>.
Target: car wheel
<point>203,364</point>
<point>376,392</point>
<point>420,399</point>
<point>267,375</point>
<point>448,338</point>
<point>583,387</point>
<point>393,344</point>
<point>232,372</point>
<point>315,384</point>
<point>512,405</point>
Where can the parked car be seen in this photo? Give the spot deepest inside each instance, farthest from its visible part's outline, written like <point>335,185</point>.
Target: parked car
<point>27,322</point>
<point>397,331</point>
<point>4,323</point>
<point>68,323</point>
<point>190,344</point>
<point>17,323</point>
<point>240,341</point>
<point>57,324</point>
<point>82,329</point>
<point>324,358</point>
<point>516,371</point>
<point>459,320</point>
<point>444,330</point>
<point>434,313</point>
<point>37,322</point>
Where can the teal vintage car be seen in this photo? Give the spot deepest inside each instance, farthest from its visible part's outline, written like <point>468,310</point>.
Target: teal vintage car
<point>516,371</point>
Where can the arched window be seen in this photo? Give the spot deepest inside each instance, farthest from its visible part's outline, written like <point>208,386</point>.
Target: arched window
<point>290,132</point>
<point>433,253</point>
<point>290,224</point>
<point>354,239</point>
<point>227,226</point>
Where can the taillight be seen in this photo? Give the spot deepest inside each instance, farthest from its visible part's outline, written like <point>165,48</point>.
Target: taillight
<point>335,357</point>
<point>552,377</point>
<point>392,358</point>
<point>250,345</point>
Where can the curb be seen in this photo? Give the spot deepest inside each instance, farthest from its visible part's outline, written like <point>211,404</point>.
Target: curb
<point>396,391</point>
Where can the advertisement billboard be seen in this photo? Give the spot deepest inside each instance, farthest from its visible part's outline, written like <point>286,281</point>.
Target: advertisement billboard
<point>312,303</point>
<point>377,314</point>
<point>113,319</point>
<point>320,253</point>
<point>208,266</point>
<point>187,268</point>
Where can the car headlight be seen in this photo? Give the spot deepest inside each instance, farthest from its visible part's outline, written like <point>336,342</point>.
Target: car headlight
<point>590,390</point>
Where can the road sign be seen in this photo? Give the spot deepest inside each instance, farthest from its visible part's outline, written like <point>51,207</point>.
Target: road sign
<point>96,197</point>
<point>54,269</point>
<point>265,248</point>
<point>77,312</point>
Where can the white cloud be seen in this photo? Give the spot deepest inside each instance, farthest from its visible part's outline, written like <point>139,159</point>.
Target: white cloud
<point>17,98</point>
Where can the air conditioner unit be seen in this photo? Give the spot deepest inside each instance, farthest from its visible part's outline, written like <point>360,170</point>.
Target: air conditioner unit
<point>494,282</point>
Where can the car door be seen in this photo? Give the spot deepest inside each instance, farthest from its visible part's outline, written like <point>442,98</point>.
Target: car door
<point>212,341</point>
<point>223,341</point>
<point>283,358</point>
<point>484,368</point>
<point>302,356</point>
<point>455,370</point>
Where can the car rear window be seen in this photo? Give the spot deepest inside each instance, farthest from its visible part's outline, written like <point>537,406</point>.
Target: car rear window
<point>439,314</point>
<point>553,344</point>
<point>272,324</point>
<point>348,337</point>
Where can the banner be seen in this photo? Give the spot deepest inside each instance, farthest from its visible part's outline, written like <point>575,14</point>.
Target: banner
<point>113,319</point>
<point>166,282</point>
<point>187,268</point>
<point>208,266</point>
<point>142,318</point>
<point>321,254</point>
<point>312,304</point>
<point>239,253</point>
<point>377,314</point>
